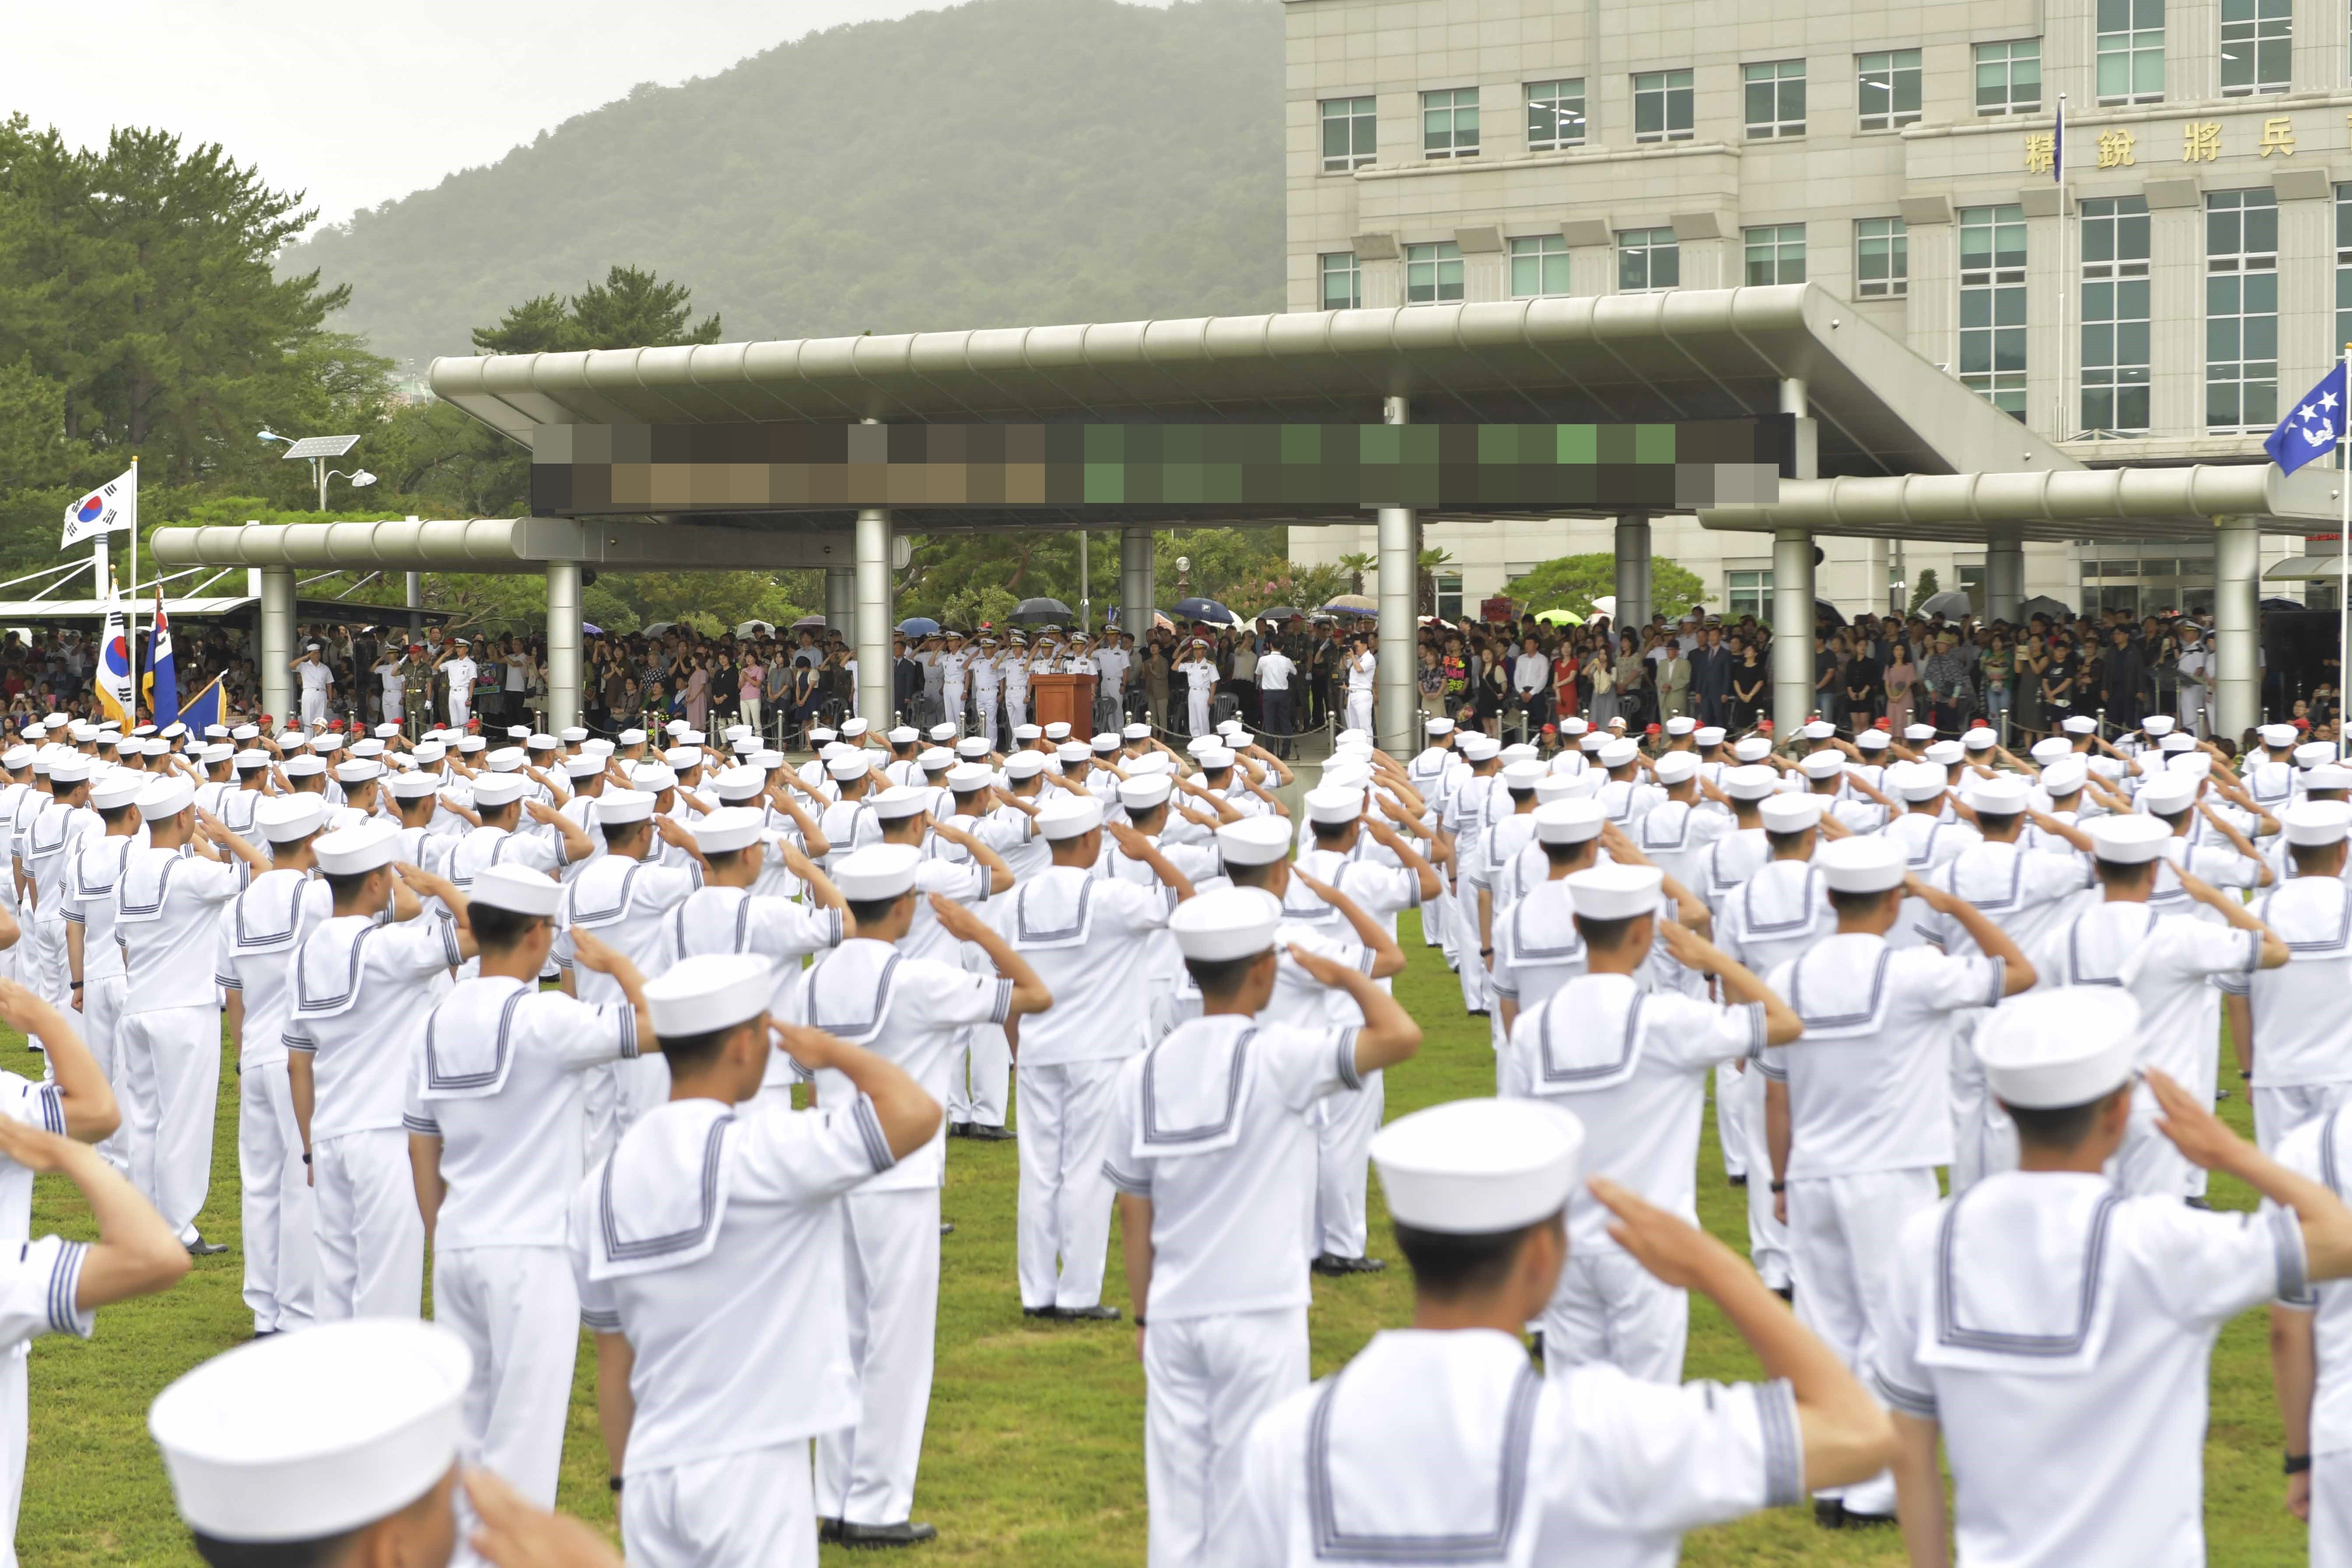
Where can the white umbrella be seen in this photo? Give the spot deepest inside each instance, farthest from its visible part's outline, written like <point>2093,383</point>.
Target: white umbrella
<point>756,630</point>
<point>1605,605</point>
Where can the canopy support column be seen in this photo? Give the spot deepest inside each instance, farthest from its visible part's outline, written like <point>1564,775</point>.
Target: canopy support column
<point>278,643</point>
<point>563,643</point>
<point>1395,697</point>
<point>1135,584</point>
<point>875,665</point>
<point>2237,566</point>
<point>1633,574</point>
<point>2004,574</point>
<point>840,597</point>
<point>1793,629</point>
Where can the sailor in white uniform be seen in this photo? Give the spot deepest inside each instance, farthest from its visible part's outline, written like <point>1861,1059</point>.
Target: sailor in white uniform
<point>913,1010</point>
<point>45,841</point>
<point>1631,1063</point>
<point>1463,822</point>
<point>93,956</point>
<point>1200,672</point>
<point>363,991</point>
<point>1537,946</point>
<point>2056,1334</point>
<point>1441,1443</point>
<point>493,1120</point>
<point>1209,1142</point>
<point>1858,1115</point>
<point>2299,1046</point>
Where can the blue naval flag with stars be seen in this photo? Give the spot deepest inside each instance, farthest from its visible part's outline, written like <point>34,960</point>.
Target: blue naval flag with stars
<point>2312,425</point>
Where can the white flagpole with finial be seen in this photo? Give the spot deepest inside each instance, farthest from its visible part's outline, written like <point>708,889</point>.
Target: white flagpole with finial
<point>2342,545</point>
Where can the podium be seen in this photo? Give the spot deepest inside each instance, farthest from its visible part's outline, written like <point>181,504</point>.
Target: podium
<point>1060,698</point>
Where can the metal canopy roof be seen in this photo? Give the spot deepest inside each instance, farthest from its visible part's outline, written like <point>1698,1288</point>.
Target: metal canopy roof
<point>1683,354</point>
<point>2088,503</point>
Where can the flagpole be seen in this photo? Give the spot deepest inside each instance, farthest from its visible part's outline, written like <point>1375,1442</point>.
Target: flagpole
<point>2343,547</point>
<point>2058,177</point>
<point>130,610</point>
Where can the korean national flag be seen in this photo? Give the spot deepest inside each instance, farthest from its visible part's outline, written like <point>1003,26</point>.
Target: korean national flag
<point>2311,428</point>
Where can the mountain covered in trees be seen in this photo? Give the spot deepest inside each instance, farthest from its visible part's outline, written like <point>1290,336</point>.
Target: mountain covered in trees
<point>1001,163</point>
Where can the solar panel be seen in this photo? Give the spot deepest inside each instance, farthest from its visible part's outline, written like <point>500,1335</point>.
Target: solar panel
<point>321,447</point>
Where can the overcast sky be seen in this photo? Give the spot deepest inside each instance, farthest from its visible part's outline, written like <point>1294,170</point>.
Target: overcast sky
<point>360,104</point>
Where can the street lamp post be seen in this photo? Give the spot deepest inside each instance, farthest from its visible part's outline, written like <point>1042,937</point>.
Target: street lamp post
<point>318,450</point>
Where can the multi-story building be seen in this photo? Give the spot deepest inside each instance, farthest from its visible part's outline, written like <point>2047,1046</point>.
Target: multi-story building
<point>2141,286</point>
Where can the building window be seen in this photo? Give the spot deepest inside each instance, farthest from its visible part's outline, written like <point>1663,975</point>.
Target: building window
<point>1890,88</point>
<point>1555,115</point>
<point>1539,265</point>
<point>1662,106</point>
<point>1747,594</point>
<point>1348,127</point>
<point>2131,51</point>
<point>2240,310</point>
<point>2343,263</point>
<point>1647,259</point>
<point>1432,273</point>
<point>2009,77</point>
<point>1775,100</point>
<point>2257,46</point>
<point>1992,305</point>
<point>1343,280</point>
<point>1776,253</point>
<point>1882,258</point>
<point>1449,123</point>
<point>2114,314</point>
<point>1449,594</point>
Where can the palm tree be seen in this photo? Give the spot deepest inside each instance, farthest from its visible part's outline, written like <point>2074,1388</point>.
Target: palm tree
<point>1425,586</point>
<point>1355,567</point>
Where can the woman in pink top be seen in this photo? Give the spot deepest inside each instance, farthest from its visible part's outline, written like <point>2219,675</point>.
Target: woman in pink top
<point>754,679</point>
<point>698,694</point>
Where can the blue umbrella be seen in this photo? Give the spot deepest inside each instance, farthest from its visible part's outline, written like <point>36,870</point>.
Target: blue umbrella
<point>1206,610</point>
<point>919,627</point>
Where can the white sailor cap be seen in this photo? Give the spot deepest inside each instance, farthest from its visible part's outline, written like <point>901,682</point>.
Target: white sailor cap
<point>2169,792</point>
<point>739,783</point>
<point>1025,764</point>
<point>877,872</point>
<point>1027,733</point>
<point>68,767</point>
<point>328,740</point>
<point>582,766</point>
<point>1572,725</point>
<point>310,1436</point>
<point>2110,768</point>
<point>637,737</point>
<point>2316,822</point>
<point>517,889</point>
<point>2004,795</point>
<point>1919,731</point>
<point>1705,735</point>
<point>156,746</point>
<point>1818,730</point>
<point>1945,753</point>
<point>2059,1047</point>
<point>1873,740</point>
<point>1228,726</point>
<point>1479,1167</point>
<point>900,801</point>
<point>2198,764</point>
<point>1978,738</point>
<point>17,758</point>
<point>1057,731</point>
<point>2064,778</point>
<point>354,851</point>
<point>676,729</point>
<point>941,734</point>
<point>1620,754</point>
<point>1791,813</point>
<point>1568,786</point>
<point>1751,749</point>
<point>124,786</point>
<point>369,748</point>
<point>2158,725</point>
<point>904,735</point>
<point>571,735</point>
<point>1749,782</point>
<point>972,747</point>
<point>770,760</point>
<point>1136,733</point>
<point>965,777</point>
<point>1226,923</point>
<point>2329,776</point>
<point>1107,742</point>
<point>495,790</point>
<point>1069,816</point>
<point>82,729</point>
<point>1526,775</point>
<point>597,746</point>
<point>2051,749</point>
<point>817,736</point>
<point>246,733</point>
<point>935,759</point>
<point>1614,892</point>
<point>250,759</point>
<point>712,991</point>
<point>220,732</point>
<point>1862,865</point>
<point>428,754</point>
<point>2127,839</point>
<point>358,771</point>
<point>728,828</point>
<point>1822,764</point>
<point>1681,725</point>
<point>472,745</point>
<point>1674,767</point>
<point>1213,759</point>
<point>2277,737</point>
<point>2080,724</point>
<point>1570,821</point>
<point>653,777</point>
<point>618,807</point>
<point>1916,781</point>
<point>683,758</point>
<point>406,786</point>
<point>2311,753</point>
<point>1254,841</point>
<point>2179,741</point>
<point>1334,804</point>
<point>1479,748</point>
<point>1146,791</point>
<point>1070,751</point>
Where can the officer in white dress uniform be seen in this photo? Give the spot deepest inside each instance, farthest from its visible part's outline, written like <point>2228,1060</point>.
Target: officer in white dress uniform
<point>316,680</point>
<point>363,991</point>
<point>913,1010</point>
<point>93,956</point>
<point>167,899</point>
<point>1441,1443</point>
<point>1631,1063</point>
<point>493,1118</point>
<point>253,946</point>
<point>457,663</point>
<point>1858,1115</point>
<point>2300,1043</point>
<point>2056,1333</point>
<point>1208,1145</point>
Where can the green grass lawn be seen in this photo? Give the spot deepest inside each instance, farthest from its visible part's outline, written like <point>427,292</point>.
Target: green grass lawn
<point>1034,1452</point>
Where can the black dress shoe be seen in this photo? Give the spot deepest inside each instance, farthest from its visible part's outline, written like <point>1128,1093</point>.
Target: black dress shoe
<point>828,1530</point>
<point>958,1129</point>
<point>200,1248</point>
<point>1333,1265</point>
<point>1786,1292</point>
<point>904,1533</point>
<point>1095,1314</point>
<point>1739,1180</point>
<point>1829,1513</point>
<point>947,1227</point>
<point>2198,1203</point>
<point>987,1134</point>
<point>1041,1312</point>
<point>1849,1520</point>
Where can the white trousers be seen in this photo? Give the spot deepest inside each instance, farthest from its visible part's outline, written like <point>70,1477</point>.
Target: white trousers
<point>101,1022</point>
<point>747,1508</point>
<point>280,1232</point>
<point>314,708</point>
<point>2148,1161</point>
<point>2331,1509</point>
<point>1359,711</point>
<point>394,704</point>
<point>1196,712</point>
<point>1205,1383</point>
<point>460,709</point>
<point>49,978</point>
<point>1017,708</point>
<point>1344,1125</point>
<point>2280,1108</point>
<point>370,1238</point>
<point>983,702</point>
<point>1608,1308</point>
<point>1842,1232</point>
<point>599,1107</point>
<point>1066,1200</point>
<point>15,1403</point>
<point>1984,1140</point>
<point>866,1473</point>
<point>980,1083</point>
<point>1727,1121</point>
<point>1768,1238</point>
<point>952,699</point>
<point>1477,985</point>
<point>173,1056</point>
<point>1437,922</point>
<point>517,1309</point>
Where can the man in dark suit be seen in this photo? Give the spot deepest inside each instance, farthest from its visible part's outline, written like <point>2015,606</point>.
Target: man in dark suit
<point>1710,677</point>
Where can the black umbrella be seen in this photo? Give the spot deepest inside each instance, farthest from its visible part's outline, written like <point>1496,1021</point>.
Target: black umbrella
<point>1042,610</point>
<point>1206,610</point>
<point>1824,609</point>
<point>1279,613</point>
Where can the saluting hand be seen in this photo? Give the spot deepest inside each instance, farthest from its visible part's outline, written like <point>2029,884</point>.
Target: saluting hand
<point>2196,1132</point>
<point>1321,970</point>
<point>1675,1252</point>
<point>516,1533</point>
<point>593,954</point>
<point>960,922</point>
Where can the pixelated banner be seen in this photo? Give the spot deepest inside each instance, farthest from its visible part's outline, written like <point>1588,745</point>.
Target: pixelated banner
<point>1265,470</point>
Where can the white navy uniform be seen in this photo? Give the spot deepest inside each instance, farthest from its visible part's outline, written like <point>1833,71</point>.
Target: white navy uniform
<point>97,865</point>
<point>913,1011</point>
<point>1438,1447</point>
<point>731,920</point>
<point>712,1241</point>
<point>980,1085</point>
<point>1163,969</point>
<point>1360,669</point>
<point>165,904</point>
<point>315,679</point>
<point>43,847</point>
<point>1200,685</point>
<point>1212,1125</point>
<point>1090,939</point>
<point>2068,1362</point>
<point>624,903</point>
<point>1928,842</point>
<point>362,994</point>
<point>460,672</point>
<point>1537,948</point>
<point>498,1080</point>
<point>48,1267</point>
<point>1870,1118</point>
<point>255,937</point>
<point>2321,1148</point>
<point>1465,818</point>
<point>2303,1035</point>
